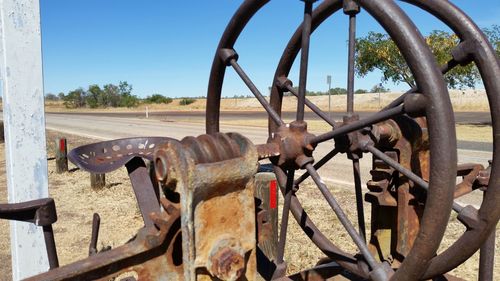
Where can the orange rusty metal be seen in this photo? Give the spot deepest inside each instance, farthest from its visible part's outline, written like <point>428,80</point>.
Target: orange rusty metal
<point>396,210</point>
<point>217,203</point>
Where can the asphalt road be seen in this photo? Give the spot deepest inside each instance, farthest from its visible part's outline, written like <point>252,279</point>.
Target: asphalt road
<point>338,171</point>
<point>460,117</point>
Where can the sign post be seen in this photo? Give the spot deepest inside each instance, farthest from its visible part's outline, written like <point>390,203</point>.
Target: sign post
<point>329,82</point>
<point>24,122</point>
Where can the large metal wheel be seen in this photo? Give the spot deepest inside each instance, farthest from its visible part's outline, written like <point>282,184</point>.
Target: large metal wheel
<point>433,102</point>
<point>474,47</point>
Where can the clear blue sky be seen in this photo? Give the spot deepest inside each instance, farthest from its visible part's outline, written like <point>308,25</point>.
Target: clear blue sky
<point>167,47</point>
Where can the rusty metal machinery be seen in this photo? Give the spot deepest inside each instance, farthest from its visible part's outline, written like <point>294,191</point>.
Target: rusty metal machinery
<point>202,222</point>
<point>412,136</point>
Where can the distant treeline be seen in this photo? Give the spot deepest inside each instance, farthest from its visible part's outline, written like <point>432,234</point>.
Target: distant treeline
<point>110,95</point>
<point>379,88</point>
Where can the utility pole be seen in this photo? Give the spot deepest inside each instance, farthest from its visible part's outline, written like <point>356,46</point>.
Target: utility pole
<point>329,82</point>
<point>24,121</point>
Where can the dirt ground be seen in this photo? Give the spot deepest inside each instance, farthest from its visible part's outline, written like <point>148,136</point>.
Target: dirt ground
<point>120,218</point>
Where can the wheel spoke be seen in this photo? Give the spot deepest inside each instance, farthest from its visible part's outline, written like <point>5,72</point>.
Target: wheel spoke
<point>444,69</point>
<point>284,216</point>
<point>313,107</point>
<point>359,198</point>
<point>377,117</point>
<point>316,166</point>
<point>358,240</point>
<point>406,172</point>
<point>230,58</point>
<point>304,59</point>
<point>352,48</point>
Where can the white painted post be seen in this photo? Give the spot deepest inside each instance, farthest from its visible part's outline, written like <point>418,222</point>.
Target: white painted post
<point>147,112</point>
<point>24,121</point>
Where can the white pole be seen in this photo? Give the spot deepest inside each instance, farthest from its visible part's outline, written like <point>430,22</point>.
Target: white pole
<point>147,112</point>
<point>24,121</point>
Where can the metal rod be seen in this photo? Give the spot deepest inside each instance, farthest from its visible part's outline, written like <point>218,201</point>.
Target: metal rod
<point>96,223</point>
<point>359,198</point>
<point>358,240</point>
<point>284,216</point>
<point>350,66</point>
<point>409,174</point>
<point>377,117</point>
<point>317,165</point>
<point>313,107</point>
<point>50,244</point>
<point>304,58</point>
<point>274,116</point>
<point>445,68</point>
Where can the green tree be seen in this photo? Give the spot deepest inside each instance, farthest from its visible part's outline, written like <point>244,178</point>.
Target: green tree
<point>493,34</point>
<point>94,94</point>
<point>125,93</point>
<point>51,97</point>
<point>75,98</point>
<point>378,51</point>
<point>129,100</point>
<point>110,96</point>
<point>379,88</point>
<point>338,91</point>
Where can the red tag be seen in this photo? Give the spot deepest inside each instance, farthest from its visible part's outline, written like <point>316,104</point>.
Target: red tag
<point>62,145</point>
<point>273,200</point>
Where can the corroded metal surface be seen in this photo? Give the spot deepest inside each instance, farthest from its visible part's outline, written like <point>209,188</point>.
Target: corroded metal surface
<point>217,203</point>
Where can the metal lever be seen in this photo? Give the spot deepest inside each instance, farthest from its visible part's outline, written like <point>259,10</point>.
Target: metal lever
<point>96,223</point>
<point>41,212</point>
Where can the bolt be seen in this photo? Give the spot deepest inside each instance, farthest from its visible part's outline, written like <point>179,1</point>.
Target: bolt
<point>226,261</point>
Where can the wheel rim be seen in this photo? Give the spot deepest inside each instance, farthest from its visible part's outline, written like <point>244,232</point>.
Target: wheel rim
<point>428,78</point>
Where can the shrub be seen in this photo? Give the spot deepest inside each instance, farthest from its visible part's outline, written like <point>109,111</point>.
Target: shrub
<point>157,98</point>
<point>186,101</point>
<point>128,100</point>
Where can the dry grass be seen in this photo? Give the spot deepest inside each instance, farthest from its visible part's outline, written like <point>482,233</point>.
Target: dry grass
<point>478,133</point>
<point>302,253</point>
<point>470,100</point>
<point>76,202</point>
